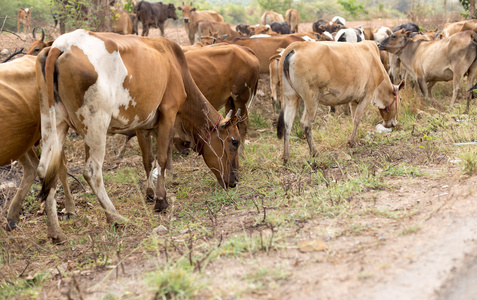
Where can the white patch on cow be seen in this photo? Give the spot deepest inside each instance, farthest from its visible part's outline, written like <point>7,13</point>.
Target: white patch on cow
<point>111,75</point>
<point>328,34</point>
<point>306,38</point>
<point>260,36</point>
<point>338,18</point>
<point>27,10</point>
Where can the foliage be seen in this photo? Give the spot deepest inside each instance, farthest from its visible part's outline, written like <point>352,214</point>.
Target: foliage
<point>279,6</point>
<point>353,7</point>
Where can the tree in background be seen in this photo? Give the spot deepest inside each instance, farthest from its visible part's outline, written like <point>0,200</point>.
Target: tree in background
<point>353,7</point>
<point>469,6</point>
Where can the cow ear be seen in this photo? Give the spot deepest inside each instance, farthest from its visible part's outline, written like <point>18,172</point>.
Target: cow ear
<point>179,7</point>
<point>224,37</point>
<point>228,122</point>
<point>193,9</point>
<point>49,43</point>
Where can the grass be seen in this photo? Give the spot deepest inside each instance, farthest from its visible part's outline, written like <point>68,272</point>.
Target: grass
<point>342,193</point>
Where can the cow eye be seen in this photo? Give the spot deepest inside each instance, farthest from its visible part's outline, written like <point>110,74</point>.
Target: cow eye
<point>393,36</point>
<point>235,143</point>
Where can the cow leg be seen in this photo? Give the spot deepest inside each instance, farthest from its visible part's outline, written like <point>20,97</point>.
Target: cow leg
<point>144,140</point>
<point>53,225</point>
<point>357,110</point>
<point>69,201</point>
<point>161,27</point>
<point>291,103</point>
<point>145,29</point>
<point>430,85</point>
<point>456,82</point>
<point>29,162</point>
<point>308,116</point>
<point>470,80</point>
<point>95,149</point>
<point>423,87</point>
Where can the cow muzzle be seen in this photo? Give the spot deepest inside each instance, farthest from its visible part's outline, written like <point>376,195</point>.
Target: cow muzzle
<point>186,20</point>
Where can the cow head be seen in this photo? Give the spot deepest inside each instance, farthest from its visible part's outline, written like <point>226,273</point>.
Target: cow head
<point>335,26</point>
<point>220,151</point>
<point>38,45</point>
<point>171,11</point>
<point>187,11</point>
<point>392,99</point>
<point>396,42</point>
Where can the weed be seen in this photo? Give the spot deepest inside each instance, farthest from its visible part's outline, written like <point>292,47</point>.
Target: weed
<point>468,160</point>
<point>176,281</point>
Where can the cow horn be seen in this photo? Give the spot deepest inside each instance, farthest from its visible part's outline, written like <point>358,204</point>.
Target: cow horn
<point>238,113</point>
<point>229,114</point>
<point>33,32</point>
<point>42,34</point>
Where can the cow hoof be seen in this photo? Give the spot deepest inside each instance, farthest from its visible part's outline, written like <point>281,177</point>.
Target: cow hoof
<point>69,216</point>
<point>57,239</point>
<point>149,198</point>
<point>11,225</point>
<point>161,205</point>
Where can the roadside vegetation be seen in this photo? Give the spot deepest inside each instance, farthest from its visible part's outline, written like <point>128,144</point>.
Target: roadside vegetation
<point>310,204</point>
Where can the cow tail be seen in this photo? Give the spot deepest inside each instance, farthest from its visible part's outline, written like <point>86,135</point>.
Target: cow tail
<point>50,159</point>
<point>286,72</point>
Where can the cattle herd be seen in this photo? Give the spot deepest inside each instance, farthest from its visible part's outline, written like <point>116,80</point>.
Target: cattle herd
<point>100,83</point>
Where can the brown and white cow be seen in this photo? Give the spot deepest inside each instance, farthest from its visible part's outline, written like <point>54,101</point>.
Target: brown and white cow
<point>431,61</point>
<point>270,16</point>
<point>121,22</point>
<point>191,17</point>
<point>328,73</point>
<point>452,28</point>
<point>20,126</point>
<point>24,17</point>
<point>266,47</point>
<point>293,18</point>
<point>97,83</point>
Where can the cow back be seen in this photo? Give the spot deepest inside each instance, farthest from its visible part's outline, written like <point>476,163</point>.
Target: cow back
<point>19,108</point>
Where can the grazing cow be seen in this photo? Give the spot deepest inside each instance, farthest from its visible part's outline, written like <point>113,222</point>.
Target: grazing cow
<point>349,35</point>
<point>243,29</point>
<point>121,23</point>
<point>293,18</point>
<point>207,27</point>
<point>269,16</point>
<point>280,27</point>
<point>451,28</point>
<point>337,77</point>
<point>97,83</point>
<point>192,17</point>
<point>266,47</point>
<point>274,78</point>
<point>431,61</point>
<point>321,26</point>
<point>20,126</point>
<point>227,75</point>
<point>408,26</point>
<point>154,14</point>
<point>24,17</point>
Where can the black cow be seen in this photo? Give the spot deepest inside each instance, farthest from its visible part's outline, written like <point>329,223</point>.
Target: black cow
<point>154,14</point>
<point>408,26</point>
<point>280,27</point>
<point>321,26</point>
<point>243,29</point>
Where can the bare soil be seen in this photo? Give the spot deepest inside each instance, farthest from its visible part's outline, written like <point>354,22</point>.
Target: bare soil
<point>414,256</point>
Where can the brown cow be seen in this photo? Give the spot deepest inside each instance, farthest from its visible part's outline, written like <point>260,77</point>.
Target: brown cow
<point>38,45</point>
<point>266,47</point>
<point>98,83</point>
<point>333,81</point>
<point>293,18</point>
<point>452,28</point>
<point>24,17</point>
<point>431,61</point>
<point>192,17</point>
<point>207,27</point>
<point>20,126</point>
<point>121,23</point>
<point>269,16</point>
<point>227,75</point>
